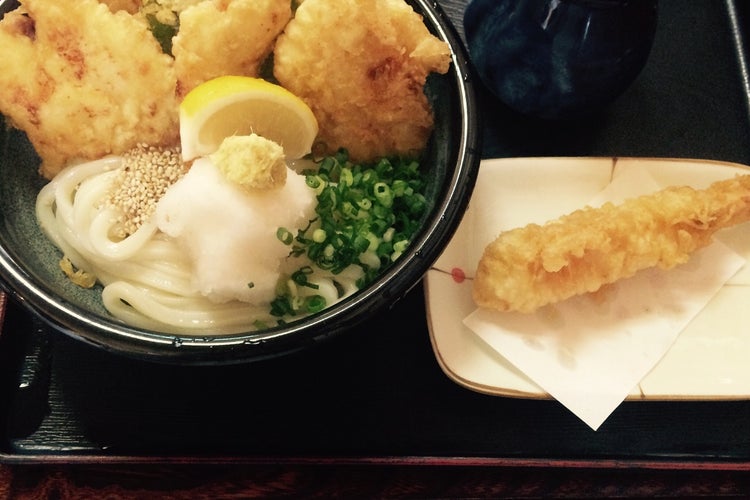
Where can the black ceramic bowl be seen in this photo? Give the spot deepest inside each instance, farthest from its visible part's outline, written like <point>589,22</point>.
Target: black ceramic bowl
<point>29,262</point>
<point>559,59</point>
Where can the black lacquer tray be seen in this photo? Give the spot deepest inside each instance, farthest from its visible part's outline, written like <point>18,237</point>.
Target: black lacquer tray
<point>377,394</point>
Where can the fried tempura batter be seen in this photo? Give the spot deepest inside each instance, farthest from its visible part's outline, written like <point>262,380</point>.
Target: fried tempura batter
<point>361,66</point>
<point>526,268</point>
<point>86,78</point>
<point>130,6</point>
<point>226,37</point>
<point>84,82</point>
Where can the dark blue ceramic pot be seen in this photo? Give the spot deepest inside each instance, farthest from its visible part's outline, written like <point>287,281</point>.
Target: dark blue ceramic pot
<point>559,58</point>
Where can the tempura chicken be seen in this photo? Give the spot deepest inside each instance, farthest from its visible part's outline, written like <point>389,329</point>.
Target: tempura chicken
<point>527,268</point>
<point>87,78</point>
<point>226,37</point>
<point>129,6</point>
<point>361,66</point>
<point>84,82</point>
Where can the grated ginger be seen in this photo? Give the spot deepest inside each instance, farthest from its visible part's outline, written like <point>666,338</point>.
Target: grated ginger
<point>251,161</point>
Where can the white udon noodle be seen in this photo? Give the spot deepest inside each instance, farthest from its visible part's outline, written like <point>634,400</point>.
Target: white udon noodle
<point>146,277</point>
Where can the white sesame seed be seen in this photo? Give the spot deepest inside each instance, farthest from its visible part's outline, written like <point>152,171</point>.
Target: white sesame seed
<point>146,174</point>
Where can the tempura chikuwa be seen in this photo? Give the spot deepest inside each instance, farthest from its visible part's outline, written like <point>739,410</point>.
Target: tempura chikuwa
<point>529,267</point>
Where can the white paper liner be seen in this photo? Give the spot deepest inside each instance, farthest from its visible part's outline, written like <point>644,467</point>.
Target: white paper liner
<point>589,352</point>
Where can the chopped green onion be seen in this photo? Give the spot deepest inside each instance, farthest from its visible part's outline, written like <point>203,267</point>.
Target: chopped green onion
<point>383,194</point>
<point>346,178</point>
<point>366,215</point>
<point>315,303</point>
<point>300,277</point>
<point>284,236</point>
<point>319,235</point>
<point>400,246</point>
<point>348,210</point>
<point>373,240</point>
<point>282,306</point>
<point>313,181</point>
<point>365,203</point>
<point>163,32</point>
<point>361,243</point>
<point>384,249</point>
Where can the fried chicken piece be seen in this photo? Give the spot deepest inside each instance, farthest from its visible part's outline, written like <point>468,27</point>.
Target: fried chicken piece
<point>129,6</point>
<point>159,7</point>
<point>361,66</point>
<point>84,82</point>
<point>226,37</point>
<point>526,268</point>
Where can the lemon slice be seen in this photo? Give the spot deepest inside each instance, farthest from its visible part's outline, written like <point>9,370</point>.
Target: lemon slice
<point>239,105</point>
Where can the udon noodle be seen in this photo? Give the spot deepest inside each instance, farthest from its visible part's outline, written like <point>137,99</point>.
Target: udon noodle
<point>147,277</point>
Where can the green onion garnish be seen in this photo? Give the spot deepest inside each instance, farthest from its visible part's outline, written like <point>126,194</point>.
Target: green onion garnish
<point>366,215</point>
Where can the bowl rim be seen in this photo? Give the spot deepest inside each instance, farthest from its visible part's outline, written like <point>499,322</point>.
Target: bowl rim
<point>388,287</point>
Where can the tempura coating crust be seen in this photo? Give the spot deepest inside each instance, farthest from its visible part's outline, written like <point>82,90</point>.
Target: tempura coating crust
<point>84,82</point>
<point>226,37</point>
<point>129,6</point>
<point>361,66</point>
<point>529,267</point>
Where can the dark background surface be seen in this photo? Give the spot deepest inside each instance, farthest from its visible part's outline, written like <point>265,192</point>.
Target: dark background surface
<point>377,394</point>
